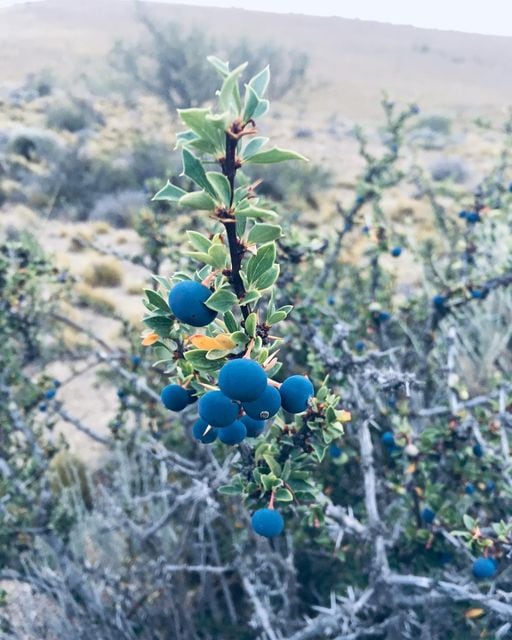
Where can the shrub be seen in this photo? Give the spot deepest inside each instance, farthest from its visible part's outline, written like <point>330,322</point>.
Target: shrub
<point>72,115</point>
<point>103,272</point>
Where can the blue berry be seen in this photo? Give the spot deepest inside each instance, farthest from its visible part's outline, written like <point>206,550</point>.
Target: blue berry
<point>50,394</point>
<point>254,427</point>
<point>331,300</point>
<point>472,217</point>
<point>233,433</point>
<point>217,409</point>
<point>56,383</point>
<point>396,252</point>
<point>479,294</point>
<point>490,486</point>
<point>267,522</point>
<point>483,568</point>
<point>42,407</point>
<point>414,109</point>
<point>383,316</point>
<point>438,301</point>
<point>186,300</point>
<point>174,397</point>
<point>295,393</point>
<point>427,515</point>
<point>242,379</point>
<point>470,489</point>
<point>198,431</point>
<point>366,229</point>
<point>136,360</point>
<point>463,214</point>
<point>388,439</point>
<point>265,406</point>
<point>335,451</point>
<point>478,450</point>
<point>121,393</point>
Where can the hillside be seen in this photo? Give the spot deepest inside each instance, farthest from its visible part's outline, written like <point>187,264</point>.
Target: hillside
<point>352,61</point>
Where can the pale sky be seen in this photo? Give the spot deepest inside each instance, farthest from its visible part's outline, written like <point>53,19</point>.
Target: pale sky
<point>475,16</point>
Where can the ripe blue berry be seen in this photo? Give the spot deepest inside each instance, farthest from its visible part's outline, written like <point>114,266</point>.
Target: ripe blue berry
<point>50,394</point>
<point>472,217</point>
<point>198,431</point>
<point>396,252</point>
<point>242,379</point>
<point>186,300</point>
<point>335,451</point>
<point>233,433</point>
<point>479,294</point>
<point>42,407</point>
<point>217,409</point>
<point>295,393</point>
<point>174,397</point>
<point>136,360</point>
<point>470,489</point>
<point>463,214</point>
<point>359,346</point>
<point>254,427</point>
<point>483,568</point>
<point>388,439</point>
<point>383,316</point>
<point>490,486</point>
<point>478,450</point>
<point>265,406</point>
<point>267,522</point>
<point>331,300</point>
<point>428,516</point>
<point>438,301</point>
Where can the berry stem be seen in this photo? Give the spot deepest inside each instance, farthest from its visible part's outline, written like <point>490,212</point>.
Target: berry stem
<point>271,501</point>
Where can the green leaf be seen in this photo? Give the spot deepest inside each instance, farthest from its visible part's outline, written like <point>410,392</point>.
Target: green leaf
<point>221,300</point>
<point>252,147</point>
<point>198,200</point>
<point>469,522</point>
<point>218,254</point>
<point>197,120</point>
<point>253,105</point>
<point>256,213</point>
<point>159,324</point>
<point>261,262</point>
<point>260,81</point>
<point>193,169</point>
<point>319,451</point>
<point>263,233</point>
<point>268,278</point>
<point>229,94</point>
<point>261,109</point>
<point>198,359</point>
<point>250,296</point>
<point>221,185</point>
<point>283,495</point>
<point>201,257</point>
<point>230,490</point>
<point>277,316</point>
<point>170,192</point>
<point>230,322</point>
<point>157,300</point>
<point>274,155</point>
<point>250,325</point>
<point>219,65</point>
<point>273,464</point>
<point>198,241</point>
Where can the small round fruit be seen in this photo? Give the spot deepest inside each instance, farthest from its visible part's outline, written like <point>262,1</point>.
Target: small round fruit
<point>335,451</point>
<point>217,409</point>
<point>483,568</point>
<point>242,379</point>
<point>51,393</point>
<point>295,393</point>
<point>254,427</point>
<point>428,516</point>
<point>478,450</point>
<point>201,432</point>
<point>267,522</point>
<point>359,346</point>
<point>266,406</point>
<point>438,301</point>
<point>186,300</point>
<point>470,489</point>
<point>396,252</point>
<point>233,433</point>
<point>388,439</point>
<point>174,397</point>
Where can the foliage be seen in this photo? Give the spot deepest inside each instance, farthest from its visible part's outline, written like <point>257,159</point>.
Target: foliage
<point>408,335</point>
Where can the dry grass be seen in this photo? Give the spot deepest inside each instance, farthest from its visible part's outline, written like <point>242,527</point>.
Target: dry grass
<point>103,272</point>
